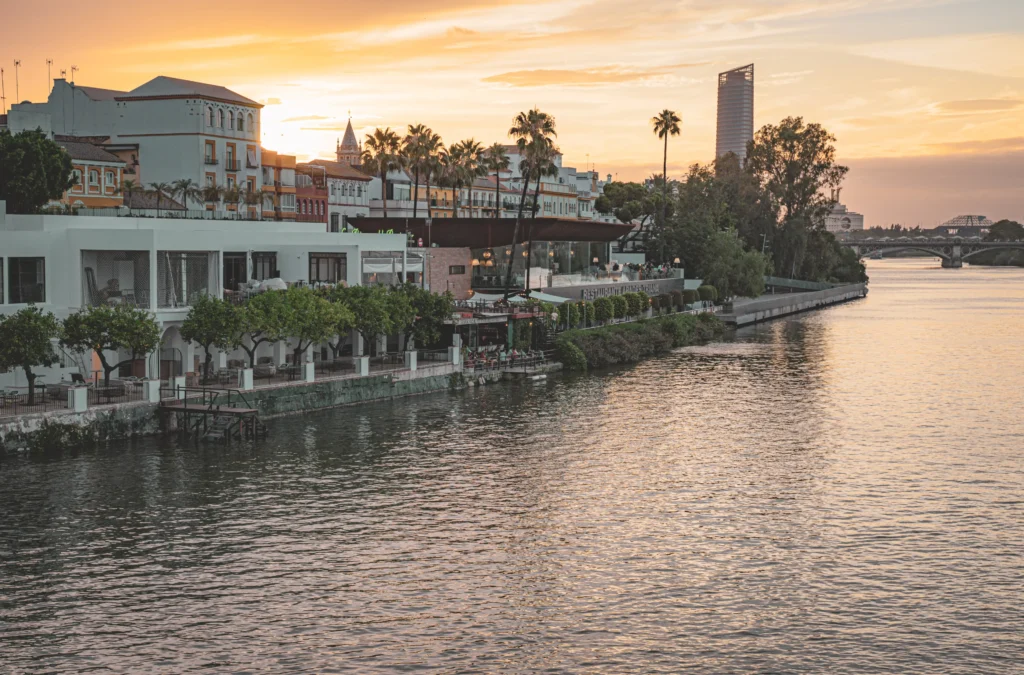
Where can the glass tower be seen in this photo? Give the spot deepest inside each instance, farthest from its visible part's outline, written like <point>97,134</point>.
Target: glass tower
<point>735,111</point>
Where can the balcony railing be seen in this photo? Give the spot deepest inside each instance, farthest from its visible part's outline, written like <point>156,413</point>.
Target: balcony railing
<point>211,161</point>
<point>233,165</point>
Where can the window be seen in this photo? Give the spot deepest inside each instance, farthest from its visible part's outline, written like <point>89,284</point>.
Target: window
<point>94,177</point>
<point>231,181</point>
<point>241,122</point>
<point>456,269</point>
<point>210,153</point>
<point>231,119</point>
<point>220,118</point>
<point>264,266</point>
<point>327,267</point>
<point>26,280</point>
<point>249,125</point>
<point>209,116</point>
<point>77,174</point>
<point>335,222</point>
<point>250,184</point>
<point>110,178</point>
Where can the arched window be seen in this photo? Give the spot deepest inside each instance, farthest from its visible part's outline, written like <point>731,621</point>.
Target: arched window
<point>209,116</point>
<point>231,119</point>
<point>248,122</point>
<point>220,117</point>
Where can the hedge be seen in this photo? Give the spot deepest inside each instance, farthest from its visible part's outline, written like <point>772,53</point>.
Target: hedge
<point>603,310</point>
<point>707,293</point>
<point>620,306</point>
<point>690,296</point>
<point>632,342</point>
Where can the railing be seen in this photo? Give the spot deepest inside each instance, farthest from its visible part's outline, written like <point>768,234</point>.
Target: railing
<point>211,161</point>
<point>251,165</point>
<point>431,355</point>
<point>233,165</point>
<point>48,398</point>
<point>118,391</point>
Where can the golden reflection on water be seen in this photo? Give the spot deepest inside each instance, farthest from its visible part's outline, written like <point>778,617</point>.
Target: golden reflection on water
<point>839,492</point>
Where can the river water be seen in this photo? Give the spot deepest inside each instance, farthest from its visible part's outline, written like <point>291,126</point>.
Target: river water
<point>841,492</point>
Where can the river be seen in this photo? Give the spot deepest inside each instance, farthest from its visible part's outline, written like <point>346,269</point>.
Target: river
<point>839,492</point>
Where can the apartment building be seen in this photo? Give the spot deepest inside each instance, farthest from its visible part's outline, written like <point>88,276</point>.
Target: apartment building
<point>97,174</point>
<point>278,180</point>
<point>348,191</point>
<point>182,129</point>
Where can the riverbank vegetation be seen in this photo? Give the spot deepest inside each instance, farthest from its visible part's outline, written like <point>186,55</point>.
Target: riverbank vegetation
<point>581,350</point>
<point>730,223</point>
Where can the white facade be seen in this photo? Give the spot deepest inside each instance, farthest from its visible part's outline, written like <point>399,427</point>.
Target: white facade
<point>843,220</point>
<point>183,129</point>
<point>160,264</point>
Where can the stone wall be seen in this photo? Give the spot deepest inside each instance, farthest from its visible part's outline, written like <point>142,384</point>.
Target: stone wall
<point>769,307</point>
<point>439,264</point>
<point>59,429</point>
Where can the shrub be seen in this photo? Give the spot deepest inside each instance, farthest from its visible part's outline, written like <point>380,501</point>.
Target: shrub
<point>666,302</point>
<point>677,300</point>
<point>636,304</point>
<point>690,296</point>
<point>603,310</point>
<point>643,301</point>
<point>591,312</point>
<point>620,306</point>
<point>656,304</point>
<point>632,342</point>
<point>570,356</point>
<point>573,312</point>
<point>706,293</point>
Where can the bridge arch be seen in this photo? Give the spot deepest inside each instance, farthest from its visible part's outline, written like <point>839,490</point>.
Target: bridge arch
<point>1008,246</point>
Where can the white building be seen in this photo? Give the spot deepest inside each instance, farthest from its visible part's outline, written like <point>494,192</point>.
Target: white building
<point>348,193</point>
<point>64,263</point>
<point>183,129</point>
<point>843,220</point>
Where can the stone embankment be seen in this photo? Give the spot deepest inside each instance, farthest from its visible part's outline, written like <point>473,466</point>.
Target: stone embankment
<point>749,311</point>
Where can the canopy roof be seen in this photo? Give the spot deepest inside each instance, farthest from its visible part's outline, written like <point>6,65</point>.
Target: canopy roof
<point>490,232</point>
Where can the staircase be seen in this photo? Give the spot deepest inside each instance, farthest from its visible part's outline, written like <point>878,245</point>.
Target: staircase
<point>221,431</point>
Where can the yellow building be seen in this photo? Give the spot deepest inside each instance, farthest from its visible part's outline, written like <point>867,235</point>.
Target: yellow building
<point>278,186</point>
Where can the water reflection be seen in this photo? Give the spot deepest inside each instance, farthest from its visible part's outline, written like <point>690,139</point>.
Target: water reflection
<point>835,493</point>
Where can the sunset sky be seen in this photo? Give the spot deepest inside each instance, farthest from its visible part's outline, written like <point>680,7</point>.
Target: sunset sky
<point>926,97</point>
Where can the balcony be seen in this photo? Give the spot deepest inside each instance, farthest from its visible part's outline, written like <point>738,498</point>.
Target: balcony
<point>250,164</point>
<point>210,161</point>
<point>233,165</point>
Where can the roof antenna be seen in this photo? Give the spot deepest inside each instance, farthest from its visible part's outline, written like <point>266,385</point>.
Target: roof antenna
<point>3,93</point>
<point>74,69</point>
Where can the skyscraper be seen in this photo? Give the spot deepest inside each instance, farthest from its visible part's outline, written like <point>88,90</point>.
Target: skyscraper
<point>735,111</point>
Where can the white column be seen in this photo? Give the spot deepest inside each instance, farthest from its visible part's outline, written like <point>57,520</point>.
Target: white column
<point>410,360</point>
<point>78,399</point>
<point>151,390</point>
<point>308,371</point>
<point>280,350</point>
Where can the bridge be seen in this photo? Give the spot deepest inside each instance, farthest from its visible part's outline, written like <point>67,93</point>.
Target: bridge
<point>953,251</point>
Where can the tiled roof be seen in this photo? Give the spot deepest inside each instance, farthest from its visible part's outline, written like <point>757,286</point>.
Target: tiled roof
<point>97,94</point>
<point>339,170</point>
<point>87,152</point>
<point>162,86</point>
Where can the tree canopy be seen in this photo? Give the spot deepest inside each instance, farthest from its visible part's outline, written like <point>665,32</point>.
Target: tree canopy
<point>112,328</point>
<point>33,171</point>
<point>1005,230</point>
<point>26,341</point>
<point>264,318</point>
<point>212,322</point>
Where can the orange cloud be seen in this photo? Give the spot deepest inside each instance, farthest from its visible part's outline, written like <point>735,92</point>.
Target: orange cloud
<point>588,77</point>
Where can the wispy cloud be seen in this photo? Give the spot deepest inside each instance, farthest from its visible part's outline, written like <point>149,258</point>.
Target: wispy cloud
<point>306,118</point>
<point>978,106</point>
<point>588,77</point>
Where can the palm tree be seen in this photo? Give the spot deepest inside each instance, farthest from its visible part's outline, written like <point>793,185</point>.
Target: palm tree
<point>232,196</point>
<point>665,123</point>
<point>187,190</point>
<point>450,174</point>
<point>381,155</point>
<point>431,146</point>
<point>413,150</point>
<point>161,190</point>
<point>129,187</point>
<point>254,199</point>
<point>212,194</point>
<point>471,167</point>
<point>497,161</point>
<point>531,130</point>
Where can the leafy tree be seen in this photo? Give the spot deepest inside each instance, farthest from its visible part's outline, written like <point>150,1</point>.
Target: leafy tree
<point>26,341</point>
<point>796,164</point>
<point>429,312</point>
<point>414,153</point>
<point>1005,230</point>
<point>370,307</point>
<point>312,318</point>
<point>630,203</point>
<point>620,306</point>
<point>33,171</point>
<point>732,270</point>
<point>264,318</point>
<point>212,322</point>
<point>112,328</point>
